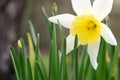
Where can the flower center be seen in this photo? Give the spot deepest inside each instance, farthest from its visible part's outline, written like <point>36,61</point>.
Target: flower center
<point>87,28</point>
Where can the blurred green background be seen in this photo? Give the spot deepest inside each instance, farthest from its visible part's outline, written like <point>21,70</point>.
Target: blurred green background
<point>14,16</point>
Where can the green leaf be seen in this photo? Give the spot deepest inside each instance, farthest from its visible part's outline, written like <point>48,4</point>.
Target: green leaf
<point>48,23</point>
<point>86,67</point>
<point>29,70</point>
<point>61,32</point>
<point>63,66</point>
<point>37,76</point>
<point>101,60</point>
<point>54,63</point>
<point>39,71</point>
<point>75,59</point>
<point>32,32</point>
<point>37,50</point>
<point>81,63</point>
<point>118,66</point>
<point>62,55</point>
<point>22,58</point>
<point>54,73</point>
<point>111,55</point>
<point>91,74</point>
<point>15,63</point>
<point>111,51</point>
<point>39,60</point>
<point>31,52</point>
<point>50,62</point>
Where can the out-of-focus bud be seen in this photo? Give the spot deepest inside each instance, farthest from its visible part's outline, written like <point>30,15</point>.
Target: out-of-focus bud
<point>54,7</point>
<point>19,44</point>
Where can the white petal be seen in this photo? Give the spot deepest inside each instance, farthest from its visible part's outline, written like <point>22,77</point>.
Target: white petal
<point>93,53</point>
<point>70,43</point>
<point>81,6</point>
<point>64,19</point>
<point>102,8</point>
<point>108,35</point>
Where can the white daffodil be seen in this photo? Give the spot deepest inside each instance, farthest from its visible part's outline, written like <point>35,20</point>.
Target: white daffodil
<point>87,25</point>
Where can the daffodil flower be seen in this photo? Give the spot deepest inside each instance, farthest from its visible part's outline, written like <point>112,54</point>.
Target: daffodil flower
<point>87,25</point>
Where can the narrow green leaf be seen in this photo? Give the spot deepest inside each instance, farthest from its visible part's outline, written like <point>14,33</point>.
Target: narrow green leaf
<point>22,58</point>
<point>43,71</point>
<point>81,63</point>
<point>110,48</point>
<point>53,64</point>
<point>62,55</point>
<point>111,51</point>
<point>50,62</point>
<point>75,59</point>
<point>63,67</point>
<point>101,60</point>
<point>118,66</point>
<point>107,72</point>
<point>48,23</point>
<point>32,32</point>
<point>45,15</point>
<point>37,50</point>
<point>40,71</point>
<point>31,52</point>
<point>86,67</point>
<point>39,59</point>
<point>91,74</point>
<point>15,63</point>
<point>29,70</point>
<point>111,54</point>
<point>54,73</point>
<point>62,35</point>
<point>37,75</point>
